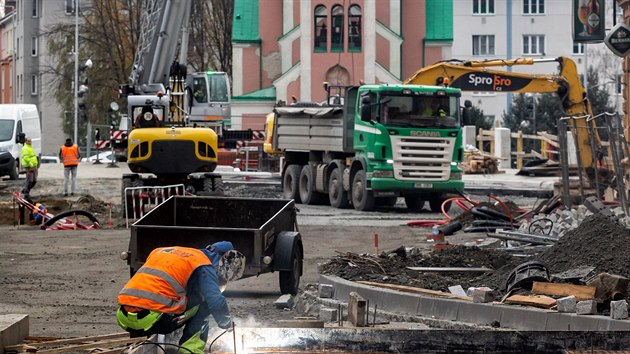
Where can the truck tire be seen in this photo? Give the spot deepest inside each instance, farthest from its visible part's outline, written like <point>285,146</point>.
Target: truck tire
<point>414,202</point>
<point>290,183</point>
<point>362,198</point>
<point>14,173</point>
<point>290,280</point>
<point>436,204</point>
<point>308,193</point>
<point>337,196</point>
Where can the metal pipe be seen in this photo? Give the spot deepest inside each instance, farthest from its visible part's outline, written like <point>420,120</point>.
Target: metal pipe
<point>564,163</point>
<point>76,71</point>
<point>516,233</point>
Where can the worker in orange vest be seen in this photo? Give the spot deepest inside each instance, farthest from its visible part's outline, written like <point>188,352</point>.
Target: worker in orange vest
<point>70,156</point>
<point>180,286</point>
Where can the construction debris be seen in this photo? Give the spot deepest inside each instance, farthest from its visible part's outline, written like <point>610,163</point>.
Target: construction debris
<point>479,162</point>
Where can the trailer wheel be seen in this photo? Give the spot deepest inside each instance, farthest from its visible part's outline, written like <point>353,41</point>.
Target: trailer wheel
<point>290,182</point>
<point>290,280</point>
<point>337,196</point>
<point>362,198</point>
<point>414,202</point>
<point>436,204</point>
<point>13,172</point>
<point>307,191</point>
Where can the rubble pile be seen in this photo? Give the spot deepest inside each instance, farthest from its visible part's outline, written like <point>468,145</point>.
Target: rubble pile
<point>598,241</point>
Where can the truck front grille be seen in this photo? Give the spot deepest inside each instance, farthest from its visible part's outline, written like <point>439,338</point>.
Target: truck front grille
<point>422,158</point>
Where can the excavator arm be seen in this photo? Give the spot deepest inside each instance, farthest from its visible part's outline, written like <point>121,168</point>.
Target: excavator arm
<point>480,76</point>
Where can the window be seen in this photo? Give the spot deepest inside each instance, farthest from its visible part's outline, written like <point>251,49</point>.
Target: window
<point>321,32</point>
<point>336,36</point>
<point>33,85</point>
<point>534,44</point>
<point>578,48</point>
<point>33,46</point>
<point>70,7</point>
<point>483,7</point>
<point>483,45</point>
<point>532,7</point>
<point>354,28</point>
<point>35,4</point>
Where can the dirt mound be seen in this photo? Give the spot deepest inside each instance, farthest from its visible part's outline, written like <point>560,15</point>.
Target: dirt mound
<point>392,267</point>
<point>599,242</point>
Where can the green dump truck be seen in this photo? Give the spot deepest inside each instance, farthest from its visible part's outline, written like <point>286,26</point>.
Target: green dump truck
<point>369,145</point>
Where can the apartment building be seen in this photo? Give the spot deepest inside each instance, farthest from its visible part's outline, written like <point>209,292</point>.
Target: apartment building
<point>508,29</point>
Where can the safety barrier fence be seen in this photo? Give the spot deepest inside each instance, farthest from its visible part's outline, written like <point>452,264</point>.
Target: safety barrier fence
<point>143,199</point>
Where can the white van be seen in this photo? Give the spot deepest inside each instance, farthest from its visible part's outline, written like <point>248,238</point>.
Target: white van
<point>17,121</point>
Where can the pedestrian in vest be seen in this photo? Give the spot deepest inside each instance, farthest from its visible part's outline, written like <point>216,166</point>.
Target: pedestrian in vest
<point>30,163</point>
<point>69,155</point>
<point>180,286</point>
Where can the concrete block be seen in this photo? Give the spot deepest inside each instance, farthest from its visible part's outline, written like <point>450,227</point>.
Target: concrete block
<point>444,309</point>
<point>619,310</point>
<point>559,321</point>
<point>326,291</point>
<point>13,329</point>
<point>328,314</point>
<point>480,295</point>
<point>284,301</point>
<point>481,314</point>
<point>502,146</point>
<point>587,323</point>
<point>523,318</point>
<point>566,304</point>
<point>586,307</point>
<point>357,307</point>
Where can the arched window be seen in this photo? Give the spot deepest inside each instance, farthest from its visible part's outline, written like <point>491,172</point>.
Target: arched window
<point>321,31</point>
<point>338,75</point>
<point>336,36</point>
<point>354,28</point>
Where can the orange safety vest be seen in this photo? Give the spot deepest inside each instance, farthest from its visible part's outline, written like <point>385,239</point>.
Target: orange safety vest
<point>70,155</point>
<point>160,284</point>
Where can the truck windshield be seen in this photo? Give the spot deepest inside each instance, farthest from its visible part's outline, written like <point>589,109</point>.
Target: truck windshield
<point>419,111</point>
<point>6,129</point>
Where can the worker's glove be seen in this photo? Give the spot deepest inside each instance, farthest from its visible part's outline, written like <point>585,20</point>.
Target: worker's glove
<point>227,324</point>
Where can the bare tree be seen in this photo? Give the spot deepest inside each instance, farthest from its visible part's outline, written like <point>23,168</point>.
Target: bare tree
<point>211,36</point>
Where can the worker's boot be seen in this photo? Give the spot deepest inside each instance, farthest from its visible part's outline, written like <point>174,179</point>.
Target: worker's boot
<point>194,345</point>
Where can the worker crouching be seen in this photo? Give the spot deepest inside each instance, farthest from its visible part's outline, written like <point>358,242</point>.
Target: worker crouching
<point>180,286</point>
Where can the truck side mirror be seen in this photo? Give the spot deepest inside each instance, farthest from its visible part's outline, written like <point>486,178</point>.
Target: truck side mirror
<point>366,109</point>
<point>467,113</point>
<point>20,138</point>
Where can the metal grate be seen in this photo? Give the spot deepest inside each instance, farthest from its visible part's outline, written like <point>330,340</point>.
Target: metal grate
<point>422,158</point>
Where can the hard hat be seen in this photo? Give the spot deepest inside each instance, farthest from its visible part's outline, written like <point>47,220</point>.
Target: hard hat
<point>231,266</point>
<point>446,81</point>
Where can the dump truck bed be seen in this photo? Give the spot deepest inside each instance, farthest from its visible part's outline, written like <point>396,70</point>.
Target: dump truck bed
<point>192,221</point>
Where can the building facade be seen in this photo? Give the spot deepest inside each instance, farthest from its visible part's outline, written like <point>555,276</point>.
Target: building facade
<point>285,50</point>
<point>7,52</point>
<point>509,29</point>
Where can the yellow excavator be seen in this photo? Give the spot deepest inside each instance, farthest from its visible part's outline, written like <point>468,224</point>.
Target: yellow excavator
<point>480,76</point>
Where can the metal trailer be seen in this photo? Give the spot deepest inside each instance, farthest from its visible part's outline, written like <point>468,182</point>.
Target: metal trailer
<point>264,230</point>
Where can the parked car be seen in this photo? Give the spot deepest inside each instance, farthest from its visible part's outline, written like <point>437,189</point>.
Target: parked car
<point>49,159</point>
<point>105,156</point>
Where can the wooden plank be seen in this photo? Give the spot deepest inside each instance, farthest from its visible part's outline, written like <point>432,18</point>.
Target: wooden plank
<point>411,289</point>
<point>51,343</point>
<point>452,269</point>
<point>532,300</point>
<point>92,345</point>
<point>581,292</point>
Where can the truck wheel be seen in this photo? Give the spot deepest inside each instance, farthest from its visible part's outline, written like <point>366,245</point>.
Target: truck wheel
<point>436,204</point>
<point>414,202</point>
<point>337,196</point>
<point>290,182</point>
<point>13,173</point>
<point>290,279</point>
<point>308,194</point>
<point>362,198</point>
